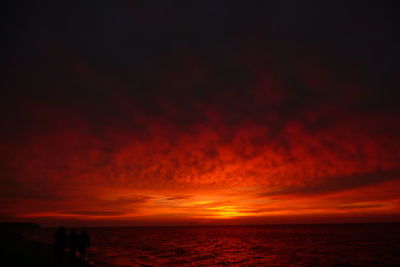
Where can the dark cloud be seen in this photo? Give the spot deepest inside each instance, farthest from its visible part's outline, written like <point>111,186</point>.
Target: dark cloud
<point>326,185</point>
<point>178,197</point>
<point>128,200</point>
<point>95,213</point>
<point>362,206</point>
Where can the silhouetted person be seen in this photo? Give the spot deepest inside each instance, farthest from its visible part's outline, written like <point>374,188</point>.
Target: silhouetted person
<point>72,245</point>
<point>83,244</point>
<point>60,243</point>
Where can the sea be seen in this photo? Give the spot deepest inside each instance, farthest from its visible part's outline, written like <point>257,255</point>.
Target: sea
<point>269,245</point>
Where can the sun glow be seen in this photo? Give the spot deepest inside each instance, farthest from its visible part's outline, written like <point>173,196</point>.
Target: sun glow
<point>224,212</point>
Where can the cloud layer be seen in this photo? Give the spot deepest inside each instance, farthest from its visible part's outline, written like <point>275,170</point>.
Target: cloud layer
<point>253,112</point>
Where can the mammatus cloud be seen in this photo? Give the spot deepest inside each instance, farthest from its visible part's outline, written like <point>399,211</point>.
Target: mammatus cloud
<point>115,113</point>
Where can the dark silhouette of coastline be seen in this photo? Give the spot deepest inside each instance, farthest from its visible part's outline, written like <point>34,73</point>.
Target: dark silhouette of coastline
<point>16,251</point>
<point>18,225</point>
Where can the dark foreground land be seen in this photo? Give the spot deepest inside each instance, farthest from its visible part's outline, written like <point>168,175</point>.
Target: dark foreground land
<point>17,251</point>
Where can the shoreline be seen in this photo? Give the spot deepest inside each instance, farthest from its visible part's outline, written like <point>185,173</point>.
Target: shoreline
<point>16,251</point>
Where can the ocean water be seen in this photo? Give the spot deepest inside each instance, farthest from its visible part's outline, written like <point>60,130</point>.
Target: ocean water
<point>273,245</point>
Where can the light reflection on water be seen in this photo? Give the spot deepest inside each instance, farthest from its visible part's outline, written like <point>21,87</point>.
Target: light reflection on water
<point>290,245</point>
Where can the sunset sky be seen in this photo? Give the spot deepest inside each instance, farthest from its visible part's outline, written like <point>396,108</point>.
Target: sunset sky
<point>199,112</point>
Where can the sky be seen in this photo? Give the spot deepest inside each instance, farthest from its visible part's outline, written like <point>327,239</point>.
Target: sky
<point>124,113</point>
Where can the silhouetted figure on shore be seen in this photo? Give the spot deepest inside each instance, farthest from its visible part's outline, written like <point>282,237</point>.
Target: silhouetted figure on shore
<point>60,243</point>
<point>72,245</point>
<point>83,244</point>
